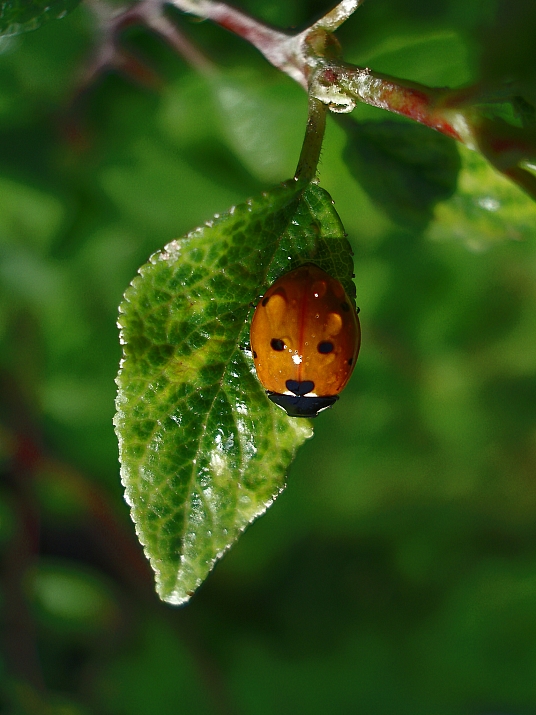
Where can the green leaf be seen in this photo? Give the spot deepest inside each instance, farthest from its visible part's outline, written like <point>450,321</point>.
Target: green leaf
<point>486,209</point>
<point>71,598</point>
<point>18,16</point>
<point>436,57</point>
<point>203,451</point>
<point>254,118</point>
<point>28,216</point>
<point>405,168</point>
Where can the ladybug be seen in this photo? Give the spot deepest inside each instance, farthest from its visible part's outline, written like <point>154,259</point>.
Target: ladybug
<point>305,339</point>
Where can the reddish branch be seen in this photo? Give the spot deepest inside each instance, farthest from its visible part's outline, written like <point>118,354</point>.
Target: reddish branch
<point>412,100</point>
<point>111,54</point>
<point>311,58</point>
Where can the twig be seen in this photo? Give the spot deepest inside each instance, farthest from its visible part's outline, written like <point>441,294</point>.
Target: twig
<point>312,143</point>
<point>288,53</point>
<point>310,58</point>
<point>335,18</point>
<point>111,55</point>
<point>181,43</point>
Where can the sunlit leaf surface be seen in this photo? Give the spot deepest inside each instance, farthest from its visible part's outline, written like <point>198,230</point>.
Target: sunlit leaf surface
<point>486,209</point>
<point>203,451</point>
<point>397,571</point>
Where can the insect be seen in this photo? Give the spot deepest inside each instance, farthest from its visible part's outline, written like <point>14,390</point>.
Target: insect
<point>305,339</point>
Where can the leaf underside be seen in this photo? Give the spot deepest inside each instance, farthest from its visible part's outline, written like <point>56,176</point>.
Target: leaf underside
<point>405,168</point>
<point>203,451</point>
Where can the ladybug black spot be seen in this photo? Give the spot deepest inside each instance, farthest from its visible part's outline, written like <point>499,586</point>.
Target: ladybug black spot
<point>325,347</point>
<point>254,355</point>
<point>350,361</point>
<point>265,301</point>
<point>277,344</point>
<point>345,306</point>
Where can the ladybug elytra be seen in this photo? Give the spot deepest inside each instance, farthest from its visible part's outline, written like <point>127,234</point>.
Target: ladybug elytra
<point>305,339</point>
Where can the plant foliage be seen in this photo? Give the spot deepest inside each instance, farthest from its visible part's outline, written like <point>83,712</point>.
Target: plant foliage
<point>203,451</point>
<point>18,16</point>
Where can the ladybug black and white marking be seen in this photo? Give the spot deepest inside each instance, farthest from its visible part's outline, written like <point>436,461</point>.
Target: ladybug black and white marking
<point>305,339</point>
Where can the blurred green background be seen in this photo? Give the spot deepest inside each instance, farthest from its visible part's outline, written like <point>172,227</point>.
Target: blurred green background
<point>397,572</point>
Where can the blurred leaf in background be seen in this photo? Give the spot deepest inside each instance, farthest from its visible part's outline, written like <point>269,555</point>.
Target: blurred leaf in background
<point>405,168</point>
<point>21,16</point>
<point>397,572</point>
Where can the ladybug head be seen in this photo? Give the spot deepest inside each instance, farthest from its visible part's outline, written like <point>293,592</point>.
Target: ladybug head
<point>300,404</point>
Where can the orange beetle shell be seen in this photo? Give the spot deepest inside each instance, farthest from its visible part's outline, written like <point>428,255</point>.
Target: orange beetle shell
<point>305,335</point>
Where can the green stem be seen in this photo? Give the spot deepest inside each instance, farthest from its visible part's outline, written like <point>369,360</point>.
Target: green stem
<point>312,143</point>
